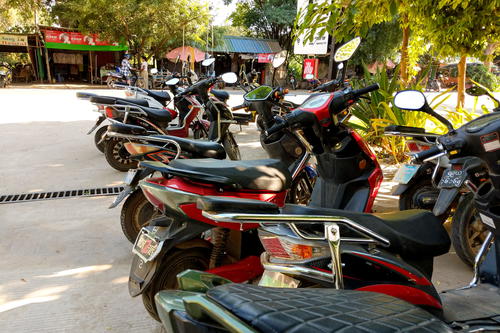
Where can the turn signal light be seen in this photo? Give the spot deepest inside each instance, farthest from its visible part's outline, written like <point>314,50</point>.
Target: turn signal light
<point>285,247</point>
<point>139,149</point>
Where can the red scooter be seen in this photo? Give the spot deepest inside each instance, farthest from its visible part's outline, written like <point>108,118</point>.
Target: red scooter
<point>349,178</point>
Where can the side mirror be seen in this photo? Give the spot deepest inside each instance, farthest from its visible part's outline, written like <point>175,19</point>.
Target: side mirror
<point>207,62</point>
<point>172,82</point>
<point>410,100</point>
<point>154,71</point>
<point>476,91</point>
<point>260,93</point>
<point>229,77</point>
<point>346,51</point>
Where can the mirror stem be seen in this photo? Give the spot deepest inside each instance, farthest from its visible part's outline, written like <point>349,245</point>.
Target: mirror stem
<point>344,71</point>
<point>427,109</point>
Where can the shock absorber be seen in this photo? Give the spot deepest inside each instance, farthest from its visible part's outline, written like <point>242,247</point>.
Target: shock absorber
<point>219,241</point>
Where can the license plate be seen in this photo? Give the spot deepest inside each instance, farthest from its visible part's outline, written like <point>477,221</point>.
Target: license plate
<point>277,280</point>
<point>146,247</point>
<point>452,178</point>
<point>129,178</point>
<point>406,173</point>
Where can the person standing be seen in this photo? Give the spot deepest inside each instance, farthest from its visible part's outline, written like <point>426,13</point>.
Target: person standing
<point>126,68</point>
<point>144,72</point>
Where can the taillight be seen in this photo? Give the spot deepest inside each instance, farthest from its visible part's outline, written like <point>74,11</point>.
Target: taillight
<point>290,248</point>
<point>139,149</point>
<point>109,112</point>
<point>415,146</point>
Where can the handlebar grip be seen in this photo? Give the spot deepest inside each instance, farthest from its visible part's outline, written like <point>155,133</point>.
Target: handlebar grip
<point>239,107</point>
<point>366,90</point>
<point>423,155</point>
<point>278,126</point>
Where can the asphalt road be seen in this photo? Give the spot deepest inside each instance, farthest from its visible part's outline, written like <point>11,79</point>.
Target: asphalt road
<point>65,263</point>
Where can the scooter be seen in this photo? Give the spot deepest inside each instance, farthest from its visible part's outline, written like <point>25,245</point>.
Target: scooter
<point>419,188</point>
<point>211,303</point>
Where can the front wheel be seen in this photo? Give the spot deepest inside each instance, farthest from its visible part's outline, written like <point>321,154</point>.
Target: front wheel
<point>166,276</point>
<point>231,147</point>
<point>467,231</point>
<point>136,213</point>
<point>117,156</point>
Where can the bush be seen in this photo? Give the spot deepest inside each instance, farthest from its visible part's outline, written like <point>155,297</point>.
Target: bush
<point>475,72</point>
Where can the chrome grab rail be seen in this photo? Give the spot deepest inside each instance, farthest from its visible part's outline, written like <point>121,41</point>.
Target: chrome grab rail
<point>146,138</point>
<point>332,233</point>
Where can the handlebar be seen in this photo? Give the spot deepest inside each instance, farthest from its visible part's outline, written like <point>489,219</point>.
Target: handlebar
<point>279,125</point>
<point>365,90</point>
<point>239,107</point>
<point>423,155</point>
<point>326,85</point>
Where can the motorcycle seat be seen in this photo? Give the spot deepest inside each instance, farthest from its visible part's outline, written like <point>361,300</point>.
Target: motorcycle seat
<point>220,94</point>
<point>117,100</point>
<point>127,129</point>
<point>160,96</point>
<point>200,149</point>
<point>161,115</point>
<point>414,233</point>
<point>322,310</point>
<point>266,174</point>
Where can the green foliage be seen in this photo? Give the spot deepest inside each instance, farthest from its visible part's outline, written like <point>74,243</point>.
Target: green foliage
<point>295,66</point>
<point>382,42</point>
<point>478,73</point>
<point>23,15</point>
<point>271,19</point>
<point>148,26</point>
<point>373,115</point>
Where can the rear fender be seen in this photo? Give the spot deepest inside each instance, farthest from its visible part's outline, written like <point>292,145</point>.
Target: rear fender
<point>445,199</point>
<point>173,233</point>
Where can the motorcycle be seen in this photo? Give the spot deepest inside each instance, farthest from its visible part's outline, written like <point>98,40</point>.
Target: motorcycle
<point>211,303</point>
<point>418,188</point>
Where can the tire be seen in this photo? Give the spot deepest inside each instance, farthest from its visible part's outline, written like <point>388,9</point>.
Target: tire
<point>117,156</point>
<point>467,230</point>
<point>136,212</point>
<point>199,132</point>
<point>409,199</point>
<point>98,136</point>
<point>166,276</point>
<point>231,147</point>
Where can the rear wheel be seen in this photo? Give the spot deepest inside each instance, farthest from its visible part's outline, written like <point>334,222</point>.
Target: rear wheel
<point>419,195</point>
<point>136,213</point>
<point>467,231</point>
<point>117,156</point>
<point>166,276</point>
<point>300,191</point>
<point>231,147</point>
<point>98,137</point>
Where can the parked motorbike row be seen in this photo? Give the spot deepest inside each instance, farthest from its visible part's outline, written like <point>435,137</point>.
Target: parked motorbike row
<point>206,229</point>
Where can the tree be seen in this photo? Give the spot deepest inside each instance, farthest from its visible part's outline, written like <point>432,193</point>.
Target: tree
<point>150,26</point>
<point>458,28</point>
<point>23,15</point>
<point>272,19</point>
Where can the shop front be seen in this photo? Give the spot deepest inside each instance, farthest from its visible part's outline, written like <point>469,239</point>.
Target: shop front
<point>73,56</point>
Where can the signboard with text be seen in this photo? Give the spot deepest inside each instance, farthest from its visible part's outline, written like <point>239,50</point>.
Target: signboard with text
<point>319,44</point>
<point>70,40</point>
<point>13,40</point>
<point>265,57</point>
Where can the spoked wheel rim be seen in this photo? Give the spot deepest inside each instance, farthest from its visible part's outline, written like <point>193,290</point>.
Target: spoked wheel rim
<point>120,154</point>
<point>476,233</point>
<point>301,194</point>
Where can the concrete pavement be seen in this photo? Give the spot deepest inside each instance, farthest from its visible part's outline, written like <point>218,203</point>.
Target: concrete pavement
<point>65,262</point>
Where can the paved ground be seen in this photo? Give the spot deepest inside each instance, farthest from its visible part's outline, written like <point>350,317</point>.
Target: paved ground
<point>65,263</point>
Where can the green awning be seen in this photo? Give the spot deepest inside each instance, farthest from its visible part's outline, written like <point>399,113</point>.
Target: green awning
<point>78,47</point>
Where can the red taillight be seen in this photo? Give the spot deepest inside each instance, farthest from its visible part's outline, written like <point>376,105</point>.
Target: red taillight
<point>273,247</point>
<point>109,112</point>
<point>290,248</point>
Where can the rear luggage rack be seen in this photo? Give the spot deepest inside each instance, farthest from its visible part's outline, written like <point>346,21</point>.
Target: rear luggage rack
<point>90,192</point>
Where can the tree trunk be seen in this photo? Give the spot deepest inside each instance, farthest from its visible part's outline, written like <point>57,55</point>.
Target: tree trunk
<point>462,67</point>
<point>404,53</point>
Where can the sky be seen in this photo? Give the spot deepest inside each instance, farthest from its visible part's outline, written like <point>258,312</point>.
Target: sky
<point>221,12</point>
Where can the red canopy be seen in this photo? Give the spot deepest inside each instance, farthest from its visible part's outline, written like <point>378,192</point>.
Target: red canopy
<point>183,52</point>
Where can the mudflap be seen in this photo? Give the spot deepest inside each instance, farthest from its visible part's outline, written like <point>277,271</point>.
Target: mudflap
<point>172,232</point>
<point>401,188</point>
<point>132,186</point>
<point>445,199</point>
<point>97,123</point>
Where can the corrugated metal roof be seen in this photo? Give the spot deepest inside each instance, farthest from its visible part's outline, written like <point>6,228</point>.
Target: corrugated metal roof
<point>237,44</point>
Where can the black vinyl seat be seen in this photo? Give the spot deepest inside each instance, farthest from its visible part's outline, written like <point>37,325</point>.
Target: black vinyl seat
<point>117,100</point>
<point>206,149</point>
<point>314,310</point>
<point>414,233</point>
<point>220,94</point>
<point>161,115</point>
<point>265,174</point>
<point>161,96</point>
